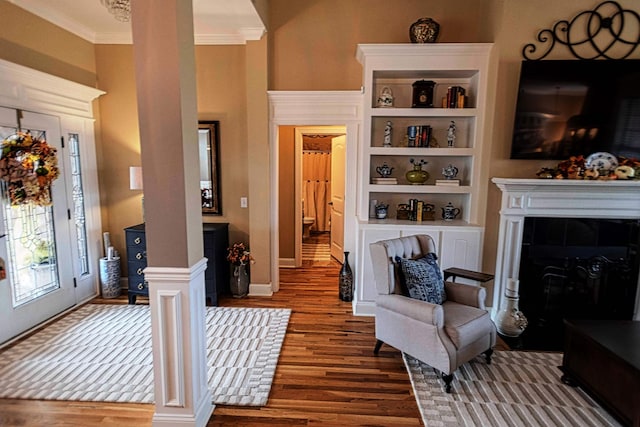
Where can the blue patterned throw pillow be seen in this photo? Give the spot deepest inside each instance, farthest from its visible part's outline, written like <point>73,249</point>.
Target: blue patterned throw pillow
<point>422,278</point>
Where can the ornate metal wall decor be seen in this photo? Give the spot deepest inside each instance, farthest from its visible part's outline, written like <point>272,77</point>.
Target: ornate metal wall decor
<point>592,34</point>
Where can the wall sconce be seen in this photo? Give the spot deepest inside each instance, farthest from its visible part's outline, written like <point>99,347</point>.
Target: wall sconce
<point>135,182</point>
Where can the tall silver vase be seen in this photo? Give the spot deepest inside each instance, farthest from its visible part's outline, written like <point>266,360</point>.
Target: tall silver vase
<point>239,285</point>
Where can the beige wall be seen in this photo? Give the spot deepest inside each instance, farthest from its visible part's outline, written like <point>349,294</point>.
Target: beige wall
<point>323,34</point>
<point>221,96</point>
<point>28,40</point>
<point>311,46</point>
<point>313,42</point>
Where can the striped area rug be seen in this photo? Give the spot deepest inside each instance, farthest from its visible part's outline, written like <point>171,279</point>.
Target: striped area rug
<point>517,389</point>
<point>316,252</point>
<point>103,353</point>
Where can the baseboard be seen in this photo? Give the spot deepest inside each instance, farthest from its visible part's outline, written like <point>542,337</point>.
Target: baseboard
<point>361,308</point>
<point>260,290</point>
<point>287,262</point>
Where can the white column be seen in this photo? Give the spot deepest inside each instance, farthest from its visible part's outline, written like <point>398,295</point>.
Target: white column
<point>177,299</point>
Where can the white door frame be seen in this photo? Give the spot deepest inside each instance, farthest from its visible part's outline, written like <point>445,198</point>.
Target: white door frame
<point>31,90</point>
<point>299,132</point>
<point>314,108</point>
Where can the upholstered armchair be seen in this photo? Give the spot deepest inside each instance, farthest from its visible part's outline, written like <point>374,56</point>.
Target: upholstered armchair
<point>444,336</point>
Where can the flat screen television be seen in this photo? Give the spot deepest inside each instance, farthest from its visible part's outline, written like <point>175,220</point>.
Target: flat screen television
<point>577,107</point>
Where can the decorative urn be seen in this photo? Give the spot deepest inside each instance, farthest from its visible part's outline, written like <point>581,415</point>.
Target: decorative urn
<point>417,176</point>
<point>424,30</point>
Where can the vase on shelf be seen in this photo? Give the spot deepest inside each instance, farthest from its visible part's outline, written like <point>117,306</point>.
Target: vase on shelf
<point>424,30</point>
<point>510,321</point>
<point>239,285</point>
<point>345,280</point>
<point>417,175</point>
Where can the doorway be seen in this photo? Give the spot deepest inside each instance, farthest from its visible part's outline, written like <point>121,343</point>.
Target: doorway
<point>319,194</point>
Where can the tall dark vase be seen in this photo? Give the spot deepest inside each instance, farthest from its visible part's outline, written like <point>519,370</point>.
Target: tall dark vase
<point>345,280</point>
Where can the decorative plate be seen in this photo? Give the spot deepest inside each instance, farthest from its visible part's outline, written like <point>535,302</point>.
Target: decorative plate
<point>601,161</point>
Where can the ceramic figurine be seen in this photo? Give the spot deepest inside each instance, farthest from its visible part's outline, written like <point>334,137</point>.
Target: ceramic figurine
<point>451,134</point>
<point>387,135</point>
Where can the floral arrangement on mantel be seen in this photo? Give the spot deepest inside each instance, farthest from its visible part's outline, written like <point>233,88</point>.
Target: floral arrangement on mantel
<point>575,168</point>
<point>239,254</point>
<point>28,166</point>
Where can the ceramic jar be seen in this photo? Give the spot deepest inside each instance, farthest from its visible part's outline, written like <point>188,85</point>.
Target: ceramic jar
<point>510,321</point>
<point>417,176</point>
<point>450,212</point>
<point>424,30</point>
<point>382,210</point>
<point>384,170</point>
<point>386,98</point>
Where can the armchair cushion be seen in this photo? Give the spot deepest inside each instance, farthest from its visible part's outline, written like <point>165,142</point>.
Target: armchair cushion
<point>422,278</point>
<point>464,324</point>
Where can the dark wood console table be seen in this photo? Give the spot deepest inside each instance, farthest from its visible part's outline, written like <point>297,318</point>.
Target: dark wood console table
<point>603,358</point>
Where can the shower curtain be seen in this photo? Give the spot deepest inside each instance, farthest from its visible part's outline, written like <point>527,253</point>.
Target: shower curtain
<point>316,188</point>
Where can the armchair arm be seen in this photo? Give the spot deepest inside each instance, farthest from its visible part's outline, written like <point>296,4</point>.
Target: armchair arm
<point>466,294</point>
<point>421,311</point>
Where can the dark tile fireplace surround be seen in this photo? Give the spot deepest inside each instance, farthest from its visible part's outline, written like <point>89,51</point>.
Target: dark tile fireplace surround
<point>575,268</point>
<point>573,247</point>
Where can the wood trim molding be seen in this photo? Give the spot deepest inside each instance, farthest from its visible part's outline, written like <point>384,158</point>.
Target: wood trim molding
<point>26,88</point>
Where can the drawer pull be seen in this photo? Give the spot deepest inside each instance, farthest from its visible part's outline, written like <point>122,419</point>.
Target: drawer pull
<point>140,286</point>
<point>137,240</point>
<point>139,255</point>
<point>139,271</point>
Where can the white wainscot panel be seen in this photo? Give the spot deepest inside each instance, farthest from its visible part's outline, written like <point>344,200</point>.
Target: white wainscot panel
<point>366,285</point>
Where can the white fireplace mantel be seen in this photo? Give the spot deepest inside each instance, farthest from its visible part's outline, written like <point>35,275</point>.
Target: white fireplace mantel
<point>566,198</point>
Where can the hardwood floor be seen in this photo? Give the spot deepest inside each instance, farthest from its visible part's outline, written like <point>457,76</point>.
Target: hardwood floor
<point>326,375</point>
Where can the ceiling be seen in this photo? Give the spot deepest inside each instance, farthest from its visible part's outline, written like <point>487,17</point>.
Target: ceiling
<point>214,21</point>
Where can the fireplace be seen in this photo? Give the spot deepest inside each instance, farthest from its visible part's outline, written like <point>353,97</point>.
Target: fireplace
<point>573,245</point>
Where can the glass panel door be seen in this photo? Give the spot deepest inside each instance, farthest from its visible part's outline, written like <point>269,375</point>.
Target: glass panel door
<point>36,242</point>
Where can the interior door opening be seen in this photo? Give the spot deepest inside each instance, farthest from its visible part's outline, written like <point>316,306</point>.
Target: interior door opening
<point>312,170</point>
<point>319,194</point>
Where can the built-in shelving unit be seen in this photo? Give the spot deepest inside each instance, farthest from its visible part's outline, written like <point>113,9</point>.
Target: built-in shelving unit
<point>397,67</point>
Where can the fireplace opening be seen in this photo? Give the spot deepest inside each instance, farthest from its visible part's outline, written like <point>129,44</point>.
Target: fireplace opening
<point>575,268</point>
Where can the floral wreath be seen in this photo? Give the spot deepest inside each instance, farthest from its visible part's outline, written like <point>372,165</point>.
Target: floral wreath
<point>28,166</point>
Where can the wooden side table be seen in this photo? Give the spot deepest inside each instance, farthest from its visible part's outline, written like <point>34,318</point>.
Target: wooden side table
<point>466,274</point>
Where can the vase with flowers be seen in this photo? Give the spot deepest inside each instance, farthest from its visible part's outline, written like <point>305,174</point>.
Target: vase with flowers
<point>240,257</point>
<point>417,176</point>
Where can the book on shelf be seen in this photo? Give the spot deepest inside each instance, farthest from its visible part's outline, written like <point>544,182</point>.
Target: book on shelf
<point>384,180</point>
<point>419,135</point>
<point>456,97</point>
<point>450,182</point>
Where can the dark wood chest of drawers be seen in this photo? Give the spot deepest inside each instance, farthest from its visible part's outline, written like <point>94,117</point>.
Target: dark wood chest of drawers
<point>216,241</point>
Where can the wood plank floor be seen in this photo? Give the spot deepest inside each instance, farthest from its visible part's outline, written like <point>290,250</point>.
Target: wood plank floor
<point>327,374</point>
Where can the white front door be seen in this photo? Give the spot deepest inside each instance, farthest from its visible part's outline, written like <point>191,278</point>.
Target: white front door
<point>338,156</point>
<point>35,247</point>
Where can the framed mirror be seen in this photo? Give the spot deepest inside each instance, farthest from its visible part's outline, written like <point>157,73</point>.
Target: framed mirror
<point>208,141</point>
